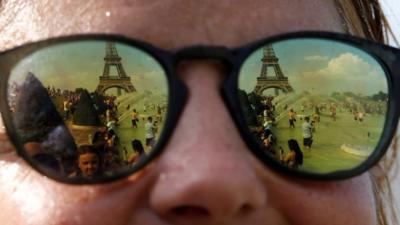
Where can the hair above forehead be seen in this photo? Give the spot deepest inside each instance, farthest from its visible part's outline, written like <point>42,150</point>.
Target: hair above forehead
<point>84,149</point>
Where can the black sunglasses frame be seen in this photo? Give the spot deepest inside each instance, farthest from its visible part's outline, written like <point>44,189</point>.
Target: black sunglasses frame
<point>388,57</point>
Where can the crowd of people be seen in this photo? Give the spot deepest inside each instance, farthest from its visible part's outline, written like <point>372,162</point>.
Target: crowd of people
<point>96,160</point>
<point>269,141</point>
<point>103,153</point>
<point>293,156</point>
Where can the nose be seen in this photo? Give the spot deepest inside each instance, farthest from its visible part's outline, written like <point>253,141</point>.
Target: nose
<point>206,170</point>
<point>89,166</point>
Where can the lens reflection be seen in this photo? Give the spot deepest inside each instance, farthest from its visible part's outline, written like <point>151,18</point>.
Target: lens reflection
<point>314,105</point>
<point>88,109</point>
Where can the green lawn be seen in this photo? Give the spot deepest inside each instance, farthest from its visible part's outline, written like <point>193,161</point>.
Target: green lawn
<point>326,154</point>
<point>127,133</point>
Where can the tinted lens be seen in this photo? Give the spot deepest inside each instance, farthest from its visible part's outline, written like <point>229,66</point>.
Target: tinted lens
<point>314,105</point>
<point>88,110</point>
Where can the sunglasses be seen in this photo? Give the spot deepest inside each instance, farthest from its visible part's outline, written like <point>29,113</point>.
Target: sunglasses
<point>95,108</point>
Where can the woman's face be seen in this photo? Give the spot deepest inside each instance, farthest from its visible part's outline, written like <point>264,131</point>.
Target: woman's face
<point>206,175</point>
<point>88,164</point>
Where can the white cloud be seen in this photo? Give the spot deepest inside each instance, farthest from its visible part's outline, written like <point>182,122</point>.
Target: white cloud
<point>346,67</point>
<point>345,72</point>
<point>316,58</point>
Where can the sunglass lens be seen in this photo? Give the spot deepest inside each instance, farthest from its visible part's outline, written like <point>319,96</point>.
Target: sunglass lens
<point>314,105</point>
<point>88,110</point>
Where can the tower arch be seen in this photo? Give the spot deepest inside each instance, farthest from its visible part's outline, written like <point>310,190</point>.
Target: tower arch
<point>121,81</point>
<point>265,81</point>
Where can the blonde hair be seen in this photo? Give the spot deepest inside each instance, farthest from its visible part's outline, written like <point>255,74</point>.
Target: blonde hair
<point>365,18</point>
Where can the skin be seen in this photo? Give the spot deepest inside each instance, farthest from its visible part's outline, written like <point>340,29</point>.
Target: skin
<point>217,181</point>
<point>88,164</point>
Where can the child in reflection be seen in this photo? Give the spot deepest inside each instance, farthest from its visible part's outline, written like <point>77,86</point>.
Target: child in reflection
<point>294,158</point>
<point>88,162</point>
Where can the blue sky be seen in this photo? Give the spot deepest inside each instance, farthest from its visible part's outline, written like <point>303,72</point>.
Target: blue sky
<point>314,65</point>
<point>320,66</point>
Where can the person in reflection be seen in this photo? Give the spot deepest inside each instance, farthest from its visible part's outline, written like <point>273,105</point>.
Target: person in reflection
<point>66,106</point>
<point>360,116</point>
<point>307,129</point>
<point>100,137</point>
<point>292,118</point>
<point>159,113</point>
<point>134,118</point>
<point>150,130</point>
<point>206,173</point>
<point>139,151</point>
<point>268,141</point>
<point>88,162</point>
<point>268,146</point>
<point>333,111</point>
<point>294,158</point>
<point>111,138</point>
<point>111,161</point>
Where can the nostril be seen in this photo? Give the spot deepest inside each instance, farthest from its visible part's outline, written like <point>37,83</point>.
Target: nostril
<point>190,211</point>
<point>245,209</point>
<point>197,211</point>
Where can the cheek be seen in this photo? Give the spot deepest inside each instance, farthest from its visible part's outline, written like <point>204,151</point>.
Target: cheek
<point>21,198</point>
<point>312,203</point>
<point>28,198</point>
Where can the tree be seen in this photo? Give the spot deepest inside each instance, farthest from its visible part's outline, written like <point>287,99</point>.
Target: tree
<point>380,96</point>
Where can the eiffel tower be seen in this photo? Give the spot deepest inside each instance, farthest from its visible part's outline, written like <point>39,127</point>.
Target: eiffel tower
<point>279,81</point>
<point>121,81</point>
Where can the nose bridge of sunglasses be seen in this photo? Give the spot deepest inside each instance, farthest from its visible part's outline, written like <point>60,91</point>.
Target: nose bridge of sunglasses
<point>217,53</point>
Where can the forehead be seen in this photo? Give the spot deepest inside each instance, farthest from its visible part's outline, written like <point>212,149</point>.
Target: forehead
<point>87,157</point>
<point>167,23</point>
